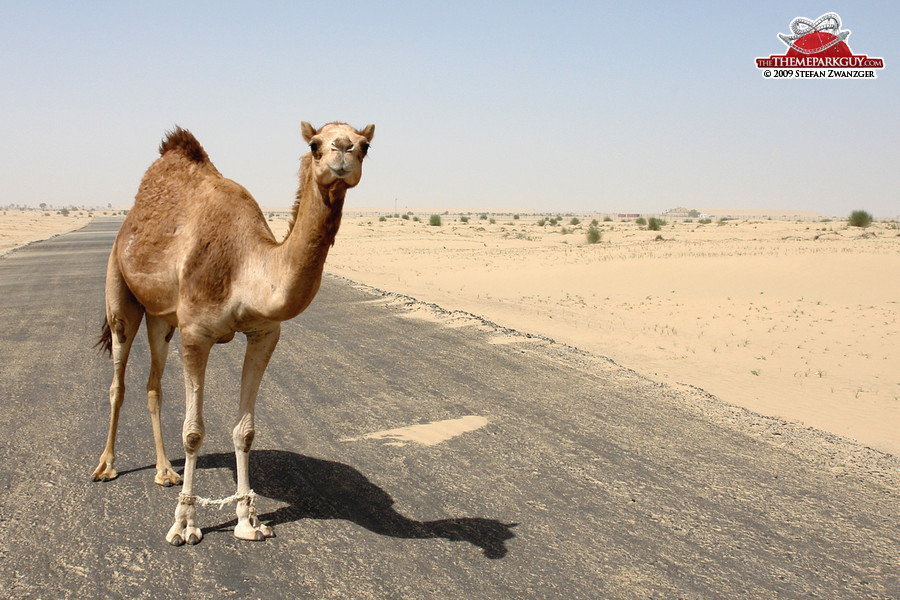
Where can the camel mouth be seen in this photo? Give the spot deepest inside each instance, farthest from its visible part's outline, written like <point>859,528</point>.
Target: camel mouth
<point>340,173</point>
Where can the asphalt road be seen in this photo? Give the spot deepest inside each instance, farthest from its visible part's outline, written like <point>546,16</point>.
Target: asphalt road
<point>588,481</point>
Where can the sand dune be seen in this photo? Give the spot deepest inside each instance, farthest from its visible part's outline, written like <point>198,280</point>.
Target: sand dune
<point>790,319</point>
<point>20,227</point>
<point>796,320</point>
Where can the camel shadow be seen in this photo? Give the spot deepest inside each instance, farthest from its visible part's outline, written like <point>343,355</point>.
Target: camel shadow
<point>314,488</point>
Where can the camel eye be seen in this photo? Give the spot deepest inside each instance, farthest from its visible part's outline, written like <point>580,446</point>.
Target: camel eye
<point>314,147</point>
<point>363,148</point>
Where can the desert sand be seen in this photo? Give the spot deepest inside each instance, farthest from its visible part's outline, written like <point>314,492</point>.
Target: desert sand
<point>790,319</point>
<point>795,320</point>
<point>20,227</point>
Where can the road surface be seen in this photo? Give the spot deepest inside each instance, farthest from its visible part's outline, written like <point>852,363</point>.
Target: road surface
<point>549,474</point>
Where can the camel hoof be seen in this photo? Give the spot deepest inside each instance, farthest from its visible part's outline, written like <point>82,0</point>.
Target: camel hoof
<point>104,472</point>
<point>166,477</point>
<point>245,531</point>
<point>179,534</point>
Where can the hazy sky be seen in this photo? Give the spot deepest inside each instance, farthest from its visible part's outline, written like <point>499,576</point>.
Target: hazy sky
<point>594,106</point>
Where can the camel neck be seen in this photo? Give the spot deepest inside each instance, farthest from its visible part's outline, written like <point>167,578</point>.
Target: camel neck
<point>302,254</point>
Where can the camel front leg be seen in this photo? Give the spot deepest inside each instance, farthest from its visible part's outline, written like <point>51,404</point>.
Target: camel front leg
<point>159,333</point>
<point>195,354</point>
<point>259,350</point>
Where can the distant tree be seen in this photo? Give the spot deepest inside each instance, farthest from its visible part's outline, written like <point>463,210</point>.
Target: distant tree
<point>860,218</point>
<point>43,205</point>
<point>654,224</point>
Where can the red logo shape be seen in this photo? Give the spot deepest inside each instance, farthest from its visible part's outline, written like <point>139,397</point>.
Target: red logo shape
<point>819,45</point>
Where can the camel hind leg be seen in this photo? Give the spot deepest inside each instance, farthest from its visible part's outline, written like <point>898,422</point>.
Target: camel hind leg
<point>159,333</point>
<point>123,317</point>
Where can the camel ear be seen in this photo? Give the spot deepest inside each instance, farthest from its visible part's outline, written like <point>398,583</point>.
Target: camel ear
<point>308,131</point>
<point>368,132</point>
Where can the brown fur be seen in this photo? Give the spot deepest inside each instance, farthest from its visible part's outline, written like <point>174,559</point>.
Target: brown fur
<point>195,252</point>
<point>334,201</point>
<point>182,140</point>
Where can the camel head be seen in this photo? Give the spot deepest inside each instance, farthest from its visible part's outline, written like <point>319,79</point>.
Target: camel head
<point>337,151</point>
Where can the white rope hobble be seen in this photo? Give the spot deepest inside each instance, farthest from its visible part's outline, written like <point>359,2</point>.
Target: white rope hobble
<point>188,499</point>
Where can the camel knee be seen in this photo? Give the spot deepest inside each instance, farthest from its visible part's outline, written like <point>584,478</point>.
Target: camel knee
<point>243,437</point>
<point>192,437</point>
<point>192,442</point>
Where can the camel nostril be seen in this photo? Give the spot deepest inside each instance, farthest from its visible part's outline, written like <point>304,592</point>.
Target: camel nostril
<point>342,144</point>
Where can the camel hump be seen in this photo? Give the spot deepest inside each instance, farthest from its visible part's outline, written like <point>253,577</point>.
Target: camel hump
<point>182,140</point>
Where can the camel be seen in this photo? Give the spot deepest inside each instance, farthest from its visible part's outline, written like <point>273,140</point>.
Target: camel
<point>195,253</point>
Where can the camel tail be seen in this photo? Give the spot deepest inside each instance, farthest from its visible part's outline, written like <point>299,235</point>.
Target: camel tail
<point>104,343</point>
<point>182,140</point>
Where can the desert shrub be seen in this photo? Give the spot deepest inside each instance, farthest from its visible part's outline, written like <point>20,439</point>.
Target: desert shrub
<point>860,218</point>
<point>655,224</point>
<point>64,212</point>
<point>405,217</point>
<point>594,222</point>
<point>607,219</point>
<point>705,221</point>
<point>483,216</point>
<point>434,220</point>
<point>593,235</point>
<point>515,217</point>
<point>492,220</point>
<point>554,222</point>
<point>541,222</point>
<point>417,220</point>
<point>565,231</point>
<point>382,218</point>
<point>575,221</point>
<point>641,221</point>
<point>464,219</point>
